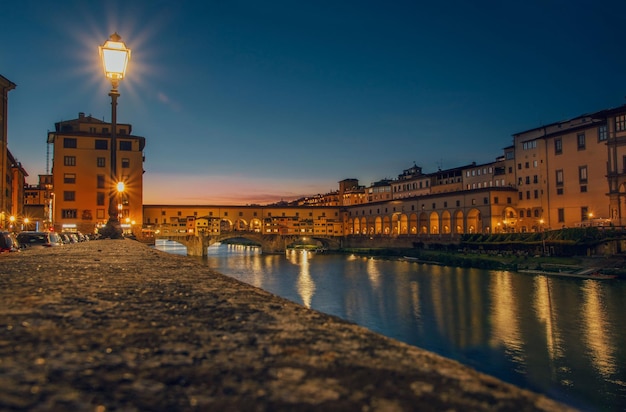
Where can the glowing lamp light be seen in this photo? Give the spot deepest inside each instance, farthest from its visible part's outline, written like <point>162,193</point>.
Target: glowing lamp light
<point>115,56</point>
<point>120,187</point>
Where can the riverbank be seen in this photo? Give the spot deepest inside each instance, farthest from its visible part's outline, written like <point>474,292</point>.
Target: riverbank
<point>613,265</point>
<point>116,325</point>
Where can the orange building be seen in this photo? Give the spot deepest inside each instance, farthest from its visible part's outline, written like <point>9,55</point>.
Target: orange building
<point>82,178</point>
<point>572,173</point>
<point>5,165</point>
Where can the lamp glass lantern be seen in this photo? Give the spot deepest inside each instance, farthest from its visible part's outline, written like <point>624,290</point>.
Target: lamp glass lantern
<point>115,56</point>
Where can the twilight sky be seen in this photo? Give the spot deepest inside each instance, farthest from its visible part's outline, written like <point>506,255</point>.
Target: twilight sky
<point>245,101</point>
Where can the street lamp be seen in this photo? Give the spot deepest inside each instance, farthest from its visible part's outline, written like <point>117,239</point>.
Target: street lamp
<point>115,56</point>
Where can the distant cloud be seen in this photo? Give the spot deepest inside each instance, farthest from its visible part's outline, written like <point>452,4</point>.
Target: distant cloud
<point>163,98</point>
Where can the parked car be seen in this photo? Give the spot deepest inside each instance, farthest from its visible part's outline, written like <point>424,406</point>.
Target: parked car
<point>39,239</point>
<point>8,242</point>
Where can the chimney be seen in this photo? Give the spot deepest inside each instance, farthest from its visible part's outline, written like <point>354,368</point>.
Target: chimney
<point>81,115</point>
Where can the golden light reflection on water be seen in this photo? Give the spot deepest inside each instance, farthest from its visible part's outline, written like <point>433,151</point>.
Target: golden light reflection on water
<point>595,329</point>
<point>373,273</point>
<point>305,284</point>
<point>505,316</point>
<point>415,302</point>
<point>546,311</point>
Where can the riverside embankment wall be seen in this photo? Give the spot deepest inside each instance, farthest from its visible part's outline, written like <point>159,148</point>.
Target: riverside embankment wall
<point>115,325</point>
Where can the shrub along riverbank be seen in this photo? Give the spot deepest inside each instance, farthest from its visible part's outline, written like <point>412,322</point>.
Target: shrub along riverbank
<point>566,249</point>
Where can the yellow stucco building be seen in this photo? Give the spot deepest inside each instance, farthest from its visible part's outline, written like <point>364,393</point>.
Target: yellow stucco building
<point>82,174</point>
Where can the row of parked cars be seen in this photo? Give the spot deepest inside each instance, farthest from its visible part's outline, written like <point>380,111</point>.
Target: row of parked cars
<point>10,242</point>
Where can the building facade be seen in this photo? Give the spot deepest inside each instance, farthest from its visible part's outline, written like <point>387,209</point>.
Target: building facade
<point>82,178</point>
<point>38,203</point>
<point>5,164</point>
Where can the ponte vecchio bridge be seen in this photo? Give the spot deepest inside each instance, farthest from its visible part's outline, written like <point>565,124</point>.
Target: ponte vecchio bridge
<point>441,217</point>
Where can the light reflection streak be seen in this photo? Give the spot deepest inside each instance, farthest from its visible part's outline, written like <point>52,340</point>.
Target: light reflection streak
<point>546,314</point>
<point>306,285</point>
<point>505,317</point>
<point>373,273</point>
<point>595,329</point>
<point>414,287</point>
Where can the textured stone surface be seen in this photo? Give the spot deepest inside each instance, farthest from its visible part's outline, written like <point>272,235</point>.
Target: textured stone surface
<point>116,325</point>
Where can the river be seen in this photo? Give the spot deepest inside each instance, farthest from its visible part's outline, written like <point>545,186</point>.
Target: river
<point>565,338</point>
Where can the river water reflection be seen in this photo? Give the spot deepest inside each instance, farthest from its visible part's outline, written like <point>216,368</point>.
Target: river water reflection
<point>565,338</point>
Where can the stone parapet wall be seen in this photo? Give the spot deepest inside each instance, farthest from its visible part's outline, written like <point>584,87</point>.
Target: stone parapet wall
<point>116,325</point>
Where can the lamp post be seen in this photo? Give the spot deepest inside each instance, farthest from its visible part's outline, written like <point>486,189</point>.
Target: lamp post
<point>115,56</point>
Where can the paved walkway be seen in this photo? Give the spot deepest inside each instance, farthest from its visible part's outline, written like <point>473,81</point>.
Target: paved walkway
<point>115,325</point>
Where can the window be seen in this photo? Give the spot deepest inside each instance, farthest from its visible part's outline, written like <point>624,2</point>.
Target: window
<point>558,146</point>
<point>100,181</point>
<point>560,215</point>
<point>529,145</point>
<point>536,212</point>
<point>559,191</point>
<point>520,195</point>
<point>535,179</point>
<point>69,160</point>
<point>582,174</point>
<point>102,144</point>
<point>620,123</point>
<point>100,198</point>
<point>584,213</point>
<point>486,200</point>
<point>509,200</point>
<point>69,178</point>
<point>126,145</point>
<point>527,165</point>
<point>69,213</point>
<point>581,141</point>
<point>527,180</point>
<point>125,163</point>
<point>602,133</point>
<point>101,162</point>
<point>458,203</point>
<point>536,194</point>
<point>69,195</point>
<point>583,189</point>
<point>559,177</point>
<point>528,194</point>
<point>69,143</point>
<point>521,213</point>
